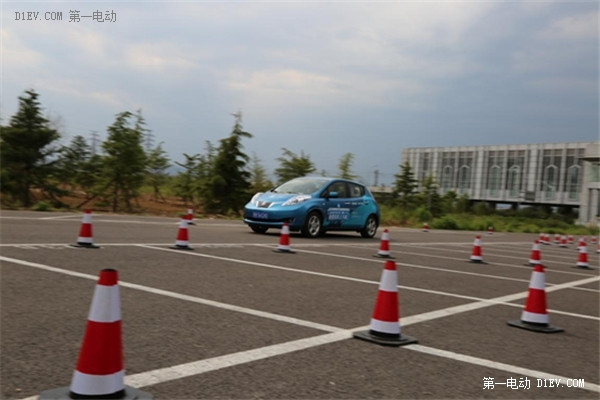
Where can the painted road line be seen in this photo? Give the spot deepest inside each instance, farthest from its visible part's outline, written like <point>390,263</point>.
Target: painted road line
<point>438,268</point>
<point>189,369</point>
<point>179,296</point>
<point>502,301</point>
<point>513,369</point>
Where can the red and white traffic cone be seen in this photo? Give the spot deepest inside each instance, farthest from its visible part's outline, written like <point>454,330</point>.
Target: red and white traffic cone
<point>598,249</point>
<point>556,238</point>
<point>384,245</point>
<point>99,371</point>
<point>547,241</point>
<point>582,260</point>
<point>85,239</point>
<point>425,227</point>
<point>385,326</point>
<point>182,240</point>
<point>563,241</point>
<point>490,230</point>
<point>535,257</point>
<point>535,316</point>
<point>284,240</point>
<point>593,240</point>
<point>190,216</point>
<point>476,255</point>
<point>581,243</point>
<point>570,239</point>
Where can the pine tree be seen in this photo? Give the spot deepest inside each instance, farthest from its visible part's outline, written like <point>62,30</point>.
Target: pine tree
<point>230,180</point>
<point>27,151</point>
<point>124,161</point>
<point>345,166</point>
<point>293,165</point>
<point>405,186</point>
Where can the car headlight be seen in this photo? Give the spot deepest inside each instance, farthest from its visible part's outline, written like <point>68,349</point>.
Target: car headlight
<point>296,200</point>
<point>254,199</point>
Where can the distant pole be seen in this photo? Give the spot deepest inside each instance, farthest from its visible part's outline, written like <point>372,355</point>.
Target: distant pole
<point>94,139</point>
<point>376,177</point>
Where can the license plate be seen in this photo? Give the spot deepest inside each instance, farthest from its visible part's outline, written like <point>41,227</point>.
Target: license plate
<point>260,215</point>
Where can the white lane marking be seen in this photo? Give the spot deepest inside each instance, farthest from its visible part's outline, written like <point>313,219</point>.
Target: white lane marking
<point>513,369</point>
<point>189,369</point>
<point>230,307</point>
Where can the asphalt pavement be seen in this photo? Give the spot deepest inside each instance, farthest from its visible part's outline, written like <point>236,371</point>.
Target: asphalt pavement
<point>234,319</point>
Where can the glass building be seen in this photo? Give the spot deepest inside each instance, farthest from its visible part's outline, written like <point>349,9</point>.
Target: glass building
<point>556,174</point>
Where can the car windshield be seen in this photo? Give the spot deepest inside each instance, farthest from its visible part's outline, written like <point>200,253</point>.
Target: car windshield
<point>301,186</point>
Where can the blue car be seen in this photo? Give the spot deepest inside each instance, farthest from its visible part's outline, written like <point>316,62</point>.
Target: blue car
<point>314,205</point>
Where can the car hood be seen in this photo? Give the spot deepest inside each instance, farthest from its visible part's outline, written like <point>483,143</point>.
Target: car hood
<point>271,197</point>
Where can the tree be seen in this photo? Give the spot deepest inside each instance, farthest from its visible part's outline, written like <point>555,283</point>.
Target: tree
<point>258,176</point>
<point>293,166</point>
<point>345,165</point>
<point>185,180</point>
<point>124,161</point>
<point>229,183</point>
<point>156,166</point>
<point>72,162</point>
<point>405,185</point>
<point>27,151</point>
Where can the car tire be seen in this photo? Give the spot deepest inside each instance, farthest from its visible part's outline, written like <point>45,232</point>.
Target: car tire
<point>259,229</point>
<point>313,225</point>
<point>370,227</point>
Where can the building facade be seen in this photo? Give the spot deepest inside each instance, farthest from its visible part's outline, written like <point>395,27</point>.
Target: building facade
<point>555,174</point>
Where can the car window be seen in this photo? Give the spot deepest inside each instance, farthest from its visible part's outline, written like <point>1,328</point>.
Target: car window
<point>340,188</point>
<point>356,190</point>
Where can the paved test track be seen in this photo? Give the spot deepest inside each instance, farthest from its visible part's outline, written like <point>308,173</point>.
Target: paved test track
<point>233,319</point>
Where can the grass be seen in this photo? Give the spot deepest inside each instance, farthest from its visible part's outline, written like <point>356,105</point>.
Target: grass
<point>472,222</point>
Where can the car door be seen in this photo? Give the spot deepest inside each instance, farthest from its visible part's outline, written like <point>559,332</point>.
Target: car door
<point>337,211</point>
<point>359,205</point>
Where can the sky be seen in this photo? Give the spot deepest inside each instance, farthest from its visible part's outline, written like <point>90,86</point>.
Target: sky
<point>320,78</point>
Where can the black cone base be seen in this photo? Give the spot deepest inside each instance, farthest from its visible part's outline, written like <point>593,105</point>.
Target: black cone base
<point>284,251</point>
<point>387,340</point>
<point>64,393</point>
<point>383,256</point>
<point>477,262</point>
<point>582,267</point>
<point>85,246</point>
<point>176,247</point>
<point>543,328</point>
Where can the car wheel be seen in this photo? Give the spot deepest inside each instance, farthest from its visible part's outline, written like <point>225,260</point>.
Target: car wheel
<point>258,229</point>
<point>313,226</point>
<point>370,227</point>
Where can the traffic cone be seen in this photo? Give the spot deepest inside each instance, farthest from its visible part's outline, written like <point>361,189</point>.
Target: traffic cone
<point>490,230</point>
<point>476,255</point>
<point>563,241</point>
<point>99,371</point>
<point>581,243</point>
<point>582,260</point>
<point>384,245</point>
<point>598,249</point>
<point>190,216</point>
<point>284,240</point>
<point>570,239</point>
<point>556,238</point>
<point>85,239</point>
<point>542,238</point>
<point>593,240</point>
<point>425,227</point>
<point>182,243</point>
<point>385,326</point>
<point>535,258</point>
<point>535,316</point>
<point>547,240</point>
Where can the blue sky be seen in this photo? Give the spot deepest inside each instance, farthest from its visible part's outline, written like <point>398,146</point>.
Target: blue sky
<point>320,77</point>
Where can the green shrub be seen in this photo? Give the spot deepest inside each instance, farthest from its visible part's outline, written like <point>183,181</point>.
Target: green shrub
<point>446,222</point>
<point>42,206</point>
